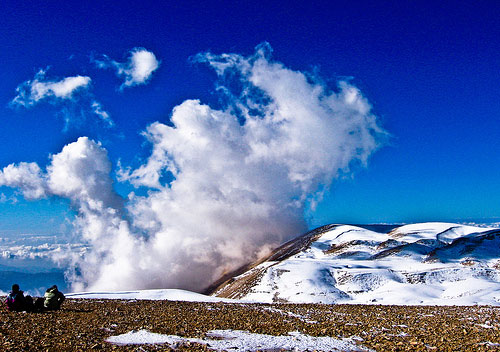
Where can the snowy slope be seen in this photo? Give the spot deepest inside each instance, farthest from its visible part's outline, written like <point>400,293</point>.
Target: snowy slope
<point>158,294</point>
<point>429,263</point>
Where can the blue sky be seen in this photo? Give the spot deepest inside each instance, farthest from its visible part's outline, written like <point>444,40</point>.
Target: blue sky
<point>430,71</point>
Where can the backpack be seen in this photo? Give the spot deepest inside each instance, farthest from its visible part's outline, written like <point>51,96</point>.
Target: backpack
<point>52,300</point>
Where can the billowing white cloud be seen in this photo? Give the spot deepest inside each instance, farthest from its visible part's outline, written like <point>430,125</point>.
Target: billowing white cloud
<point>80,173</point>
<point>27,177</point>
<point>58,91</point>
<point>225,185</point>
<point>137,70</point>
<point>39,88</point>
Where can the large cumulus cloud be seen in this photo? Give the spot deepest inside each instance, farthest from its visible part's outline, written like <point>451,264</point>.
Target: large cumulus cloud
<point>225,185</point>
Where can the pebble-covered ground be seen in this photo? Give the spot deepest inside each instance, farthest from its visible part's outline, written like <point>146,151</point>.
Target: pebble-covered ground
<point>83,325</point>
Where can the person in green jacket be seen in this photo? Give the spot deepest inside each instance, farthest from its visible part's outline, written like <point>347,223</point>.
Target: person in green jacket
<point>53,298</point>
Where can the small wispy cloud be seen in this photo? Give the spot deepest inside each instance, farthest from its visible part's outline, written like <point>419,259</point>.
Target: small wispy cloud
<point>72,90</point>
<point>39,88</point>
<point>6,199</point>
<point>99,111</point>
<point>137,70</point>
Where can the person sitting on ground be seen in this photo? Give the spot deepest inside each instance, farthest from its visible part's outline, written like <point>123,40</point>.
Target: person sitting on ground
<point>53,298</point>
<point>16,301</point>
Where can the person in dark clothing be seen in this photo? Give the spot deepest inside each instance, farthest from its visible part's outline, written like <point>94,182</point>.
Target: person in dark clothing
<point>53,298</point>
<point>16,302</point>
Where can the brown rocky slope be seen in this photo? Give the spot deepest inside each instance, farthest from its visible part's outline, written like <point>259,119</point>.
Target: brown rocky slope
<point>84,325</point>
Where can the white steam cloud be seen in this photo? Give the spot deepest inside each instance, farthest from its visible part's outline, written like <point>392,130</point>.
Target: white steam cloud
<point>225,186</point>
<point>137,70</point>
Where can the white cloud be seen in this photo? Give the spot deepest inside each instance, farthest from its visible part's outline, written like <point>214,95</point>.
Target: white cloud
<point>238,179</point>
<point>27,177</point>
<point>137,70</point>
<point>68,89</point>
<point>39,88</point>
<point>80,173</point>
<point>99,111</point>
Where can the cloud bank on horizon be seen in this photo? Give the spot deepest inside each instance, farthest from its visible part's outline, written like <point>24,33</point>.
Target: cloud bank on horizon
<point>225,185</point>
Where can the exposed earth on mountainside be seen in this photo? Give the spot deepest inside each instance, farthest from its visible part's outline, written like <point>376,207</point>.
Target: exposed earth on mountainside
<point>85,324</point>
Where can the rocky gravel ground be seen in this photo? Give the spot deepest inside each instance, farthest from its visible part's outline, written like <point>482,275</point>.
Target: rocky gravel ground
<point>83,325</point>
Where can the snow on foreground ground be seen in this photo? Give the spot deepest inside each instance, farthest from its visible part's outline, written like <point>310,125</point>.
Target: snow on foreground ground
<point>218,340</point>
<point>87,324</point>
<point>428,263</point>
<point>235,340</point>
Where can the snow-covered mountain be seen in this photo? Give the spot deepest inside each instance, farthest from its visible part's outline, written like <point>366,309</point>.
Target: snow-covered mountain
<point>428,263</point>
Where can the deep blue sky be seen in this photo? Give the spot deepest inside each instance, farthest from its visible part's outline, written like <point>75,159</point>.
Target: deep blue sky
<point>430,69</point>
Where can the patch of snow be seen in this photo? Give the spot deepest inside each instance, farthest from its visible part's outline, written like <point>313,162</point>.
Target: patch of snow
<point>490,344</point>
<point>142,337</point>
<point>236,340</point>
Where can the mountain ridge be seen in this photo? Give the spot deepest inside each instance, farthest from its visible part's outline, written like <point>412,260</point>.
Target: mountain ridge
<point>426,263</point>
